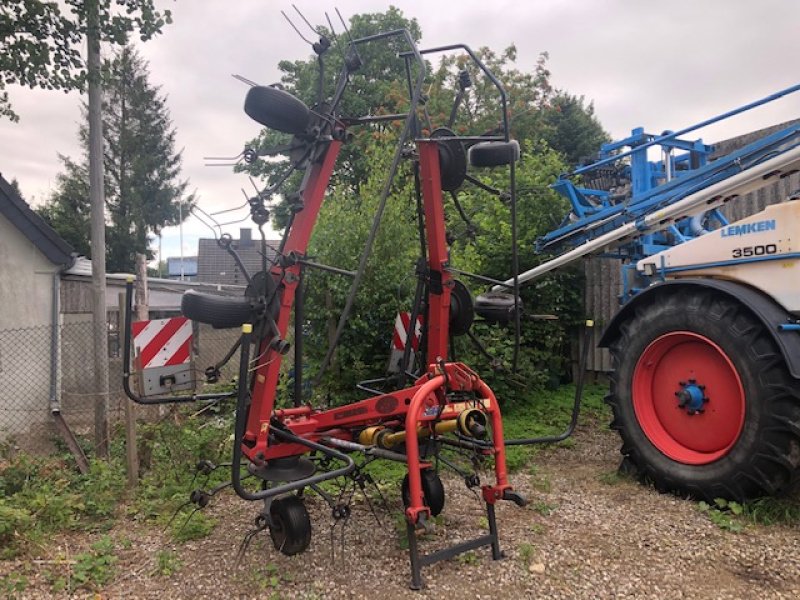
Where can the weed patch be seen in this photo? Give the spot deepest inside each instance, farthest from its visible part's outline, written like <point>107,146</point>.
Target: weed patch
<point>724,514</point>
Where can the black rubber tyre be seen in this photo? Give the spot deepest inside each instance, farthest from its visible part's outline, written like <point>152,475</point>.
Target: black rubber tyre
<point>221,312</point>
<point>277,109</point>
<point>291,525</point>
<point>432,491</point>
<point>494,154</point>
<point>763,455</point>
<point>462,311</point>
<point>496,307</point>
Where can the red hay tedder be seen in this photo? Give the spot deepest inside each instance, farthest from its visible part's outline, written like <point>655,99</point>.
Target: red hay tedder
<point>439,403</point>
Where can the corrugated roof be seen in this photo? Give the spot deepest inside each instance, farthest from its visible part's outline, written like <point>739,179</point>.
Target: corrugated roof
<point>33,227</point>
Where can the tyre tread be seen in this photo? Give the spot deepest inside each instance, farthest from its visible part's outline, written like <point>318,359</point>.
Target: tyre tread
<point>774,462</point>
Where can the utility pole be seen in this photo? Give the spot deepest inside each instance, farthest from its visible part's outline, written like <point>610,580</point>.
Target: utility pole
<point>180,228</point>
<point>97,198</point>
<point>132,451</point>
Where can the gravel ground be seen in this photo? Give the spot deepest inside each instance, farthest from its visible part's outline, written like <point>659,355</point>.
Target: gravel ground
<point>585,534</point>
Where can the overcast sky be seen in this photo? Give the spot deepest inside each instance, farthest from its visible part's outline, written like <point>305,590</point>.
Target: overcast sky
<point>660,65</point>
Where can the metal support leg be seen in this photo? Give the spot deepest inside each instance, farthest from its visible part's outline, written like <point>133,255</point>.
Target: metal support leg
<point>413,553</point>
<point>496,553</point>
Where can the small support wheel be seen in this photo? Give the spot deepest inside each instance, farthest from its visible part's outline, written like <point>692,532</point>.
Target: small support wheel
<point>291,525</point>
<point>432,491</point>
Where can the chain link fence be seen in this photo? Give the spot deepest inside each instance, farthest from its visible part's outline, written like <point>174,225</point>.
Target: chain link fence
<point>40,374</point>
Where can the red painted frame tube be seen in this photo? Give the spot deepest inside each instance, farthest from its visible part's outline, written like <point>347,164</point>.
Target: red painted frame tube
<point>493,493</point>
<point>438,323</point>
<point>268,370</point>
<point>416,504</point>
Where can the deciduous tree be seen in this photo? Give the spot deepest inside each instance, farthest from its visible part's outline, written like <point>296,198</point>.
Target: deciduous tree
<point>42,42</point>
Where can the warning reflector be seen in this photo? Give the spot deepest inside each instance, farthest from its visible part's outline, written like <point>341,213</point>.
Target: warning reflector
<point>163,354</point>
<point>400,329</point>
<point>400,339</point>
<point>163,342</point>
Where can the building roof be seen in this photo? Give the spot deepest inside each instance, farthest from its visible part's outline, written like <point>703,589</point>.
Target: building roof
<point>33,227</point>
<point>216,265</point>
<point>733,144</point>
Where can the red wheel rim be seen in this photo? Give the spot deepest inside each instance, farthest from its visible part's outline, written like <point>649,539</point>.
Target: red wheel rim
<point>664,367</point>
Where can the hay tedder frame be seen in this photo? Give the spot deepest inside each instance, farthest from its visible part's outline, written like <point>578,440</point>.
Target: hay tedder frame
<point>289,447</point>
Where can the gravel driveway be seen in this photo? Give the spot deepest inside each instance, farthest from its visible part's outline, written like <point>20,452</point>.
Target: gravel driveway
<point>585,534</point>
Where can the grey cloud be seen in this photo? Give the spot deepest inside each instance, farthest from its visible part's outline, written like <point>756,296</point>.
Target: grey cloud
<point>659,65</point>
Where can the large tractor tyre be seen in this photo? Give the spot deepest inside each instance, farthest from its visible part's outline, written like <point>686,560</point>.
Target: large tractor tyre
<point>291,525</point>
<point>703,400</point>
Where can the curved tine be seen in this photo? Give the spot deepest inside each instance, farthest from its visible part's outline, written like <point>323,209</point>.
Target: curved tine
<point>176,513</point>
<point>248,538</point>
<point>238,156</point>
<point>244,80</point>
<point>335,36</point>
<point>253,183</point>
<point>235,221</point>
<point>186,522</point>
<point>310,26</point>
<point>195,210</point>
<point>302,37</point>
<point>227,210</point>
<point>347,31</point>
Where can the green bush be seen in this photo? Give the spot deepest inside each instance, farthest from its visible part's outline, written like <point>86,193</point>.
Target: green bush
<point>14,522</point>
<point>95,568</point>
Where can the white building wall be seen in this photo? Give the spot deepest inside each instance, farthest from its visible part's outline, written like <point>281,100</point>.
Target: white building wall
<point>26,297</point>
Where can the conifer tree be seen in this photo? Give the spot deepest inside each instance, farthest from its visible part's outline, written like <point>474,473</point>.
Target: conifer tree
<point>142,167</point>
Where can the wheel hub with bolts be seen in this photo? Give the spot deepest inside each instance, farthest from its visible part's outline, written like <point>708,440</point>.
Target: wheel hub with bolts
<point>681,435</point>
<point>692,397</point>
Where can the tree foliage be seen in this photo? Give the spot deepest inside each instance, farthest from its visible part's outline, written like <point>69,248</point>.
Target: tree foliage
<point>554,129</point>
<point>378,87</point>
<point>68,210</point>
<point>42,42</point>
<point>571,127</point>
<point>338,239</point>
<point>143,188</point>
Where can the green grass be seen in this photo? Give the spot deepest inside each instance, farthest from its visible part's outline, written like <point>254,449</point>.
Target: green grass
<point>526,551</point>
<point>167,563</point>
<point>772,511</point>
<point>734,517</point>
<point>545,413</point>
<point>13,584</point>
<point>40,496</point>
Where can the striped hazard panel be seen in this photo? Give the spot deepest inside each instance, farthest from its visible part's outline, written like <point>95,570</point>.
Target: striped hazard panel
<point>401,327</point>
<point>163,342</point>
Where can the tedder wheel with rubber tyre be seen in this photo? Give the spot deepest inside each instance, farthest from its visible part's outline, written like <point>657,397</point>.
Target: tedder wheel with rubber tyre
<point>703,399</point>
<point>291,525</point>
<point>432,491</point>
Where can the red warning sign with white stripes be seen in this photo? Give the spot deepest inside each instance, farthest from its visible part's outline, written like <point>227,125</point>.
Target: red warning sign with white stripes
<point>163,342</point>
<point>400,329</point>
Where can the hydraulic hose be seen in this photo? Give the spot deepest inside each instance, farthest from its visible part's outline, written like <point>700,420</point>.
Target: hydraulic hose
<point>576,407</point>
<point>242,409</point>
<point>126,367</point>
